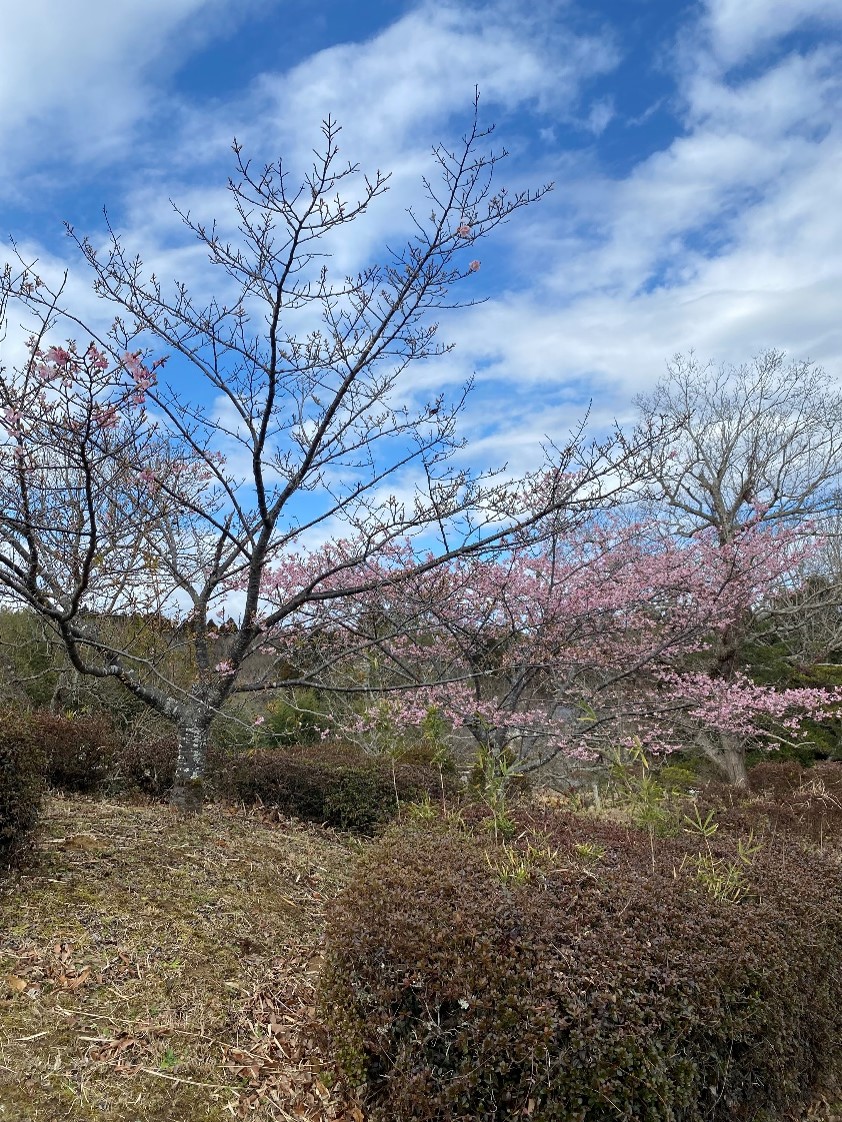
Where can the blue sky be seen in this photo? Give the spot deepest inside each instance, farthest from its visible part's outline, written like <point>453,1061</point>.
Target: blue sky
<point>696,148</point>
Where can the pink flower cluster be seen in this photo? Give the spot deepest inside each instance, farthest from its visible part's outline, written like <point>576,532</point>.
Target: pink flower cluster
<point>566,641</point>
<point>144,378</point>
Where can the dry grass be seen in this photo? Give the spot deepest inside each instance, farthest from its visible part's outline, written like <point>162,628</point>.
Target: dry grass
<point>158,968</point>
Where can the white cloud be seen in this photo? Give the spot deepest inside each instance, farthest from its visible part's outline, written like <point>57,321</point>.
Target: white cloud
<point>738,29</point>
<point>390,111</point>
<point>600,116</point>
<point>419,69</point>
<point>727,241</point>
<point>397,92</point>
<point>76,76</point>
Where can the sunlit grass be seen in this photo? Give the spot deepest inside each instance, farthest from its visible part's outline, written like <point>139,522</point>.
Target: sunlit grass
<point>135,953</point>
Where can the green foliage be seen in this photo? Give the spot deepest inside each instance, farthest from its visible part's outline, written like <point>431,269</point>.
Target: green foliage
<point>21,766</point>
<point>30,657</point>
<point>297,719</point>
<point>466,979</point>
<point>334,784</point>
<point>649,794</point>
<point>801,752</point>
<point>520,865</point>
<point>770,663</point>
<point>589,851</point>
<point>494,778</point>
<point>723,877</point>
<point>677,778</point>
<point>434,747</point>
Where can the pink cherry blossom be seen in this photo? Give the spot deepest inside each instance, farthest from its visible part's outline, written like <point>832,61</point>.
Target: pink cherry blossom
<point>605,620</point>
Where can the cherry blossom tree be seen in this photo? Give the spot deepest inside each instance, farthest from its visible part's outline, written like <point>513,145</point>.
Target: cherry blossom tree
<point>592,637</point>
<point>124,489</point>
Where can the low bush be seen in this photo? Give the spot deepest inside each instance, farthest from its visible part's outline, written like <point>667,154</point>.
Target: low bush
<point>294,720</point>
<point>21,767</point>
<point>148,764</point>
<point>803,803</point>
<point>776,780</point>
<point>329,783</point>
<point>578,974</point>
<point>80,750</point>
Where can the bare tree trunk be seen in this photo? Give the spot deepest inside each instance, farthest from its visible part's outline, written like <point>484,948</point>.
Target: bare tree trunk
<point>733,763</point>
<point>730,758</point>
<point>727,752</point>
<point>188,792</point>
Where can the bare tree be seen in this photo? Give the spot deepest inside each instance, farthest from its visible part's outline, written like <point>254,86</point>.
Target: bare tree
<point>126,489</point>
<point>760,440</point>
<point>759,444</point>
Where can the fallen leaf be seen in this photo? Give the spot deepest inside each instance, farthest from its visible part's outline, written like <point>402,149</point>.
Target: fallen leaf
<point>323,1092</point>
<point>16,984</point>
<point>80,979</point>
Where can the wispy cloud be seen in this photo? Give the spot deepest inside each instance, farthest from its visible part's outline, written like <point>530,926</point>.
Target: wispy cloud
<point>724,240</point>
<point>721,233</point>
<point>739,29</point>
<point>77,78</point>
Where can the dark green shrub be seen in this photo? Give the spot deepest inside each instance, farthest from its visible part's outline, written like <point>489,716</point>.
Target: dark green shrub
<point>80,750</point>
<point>576,977</point>
<point>677,777</point>
<point>21,766</point>
<point>328,783</point>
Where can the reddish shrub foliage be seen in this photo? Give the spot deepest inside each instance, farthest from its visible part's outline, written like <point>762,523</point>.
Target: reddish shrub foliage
<point>79,750</point>
<point>21,765</point>
<point>615,983</point>
<point>333,784</point>
<point>804,803</point>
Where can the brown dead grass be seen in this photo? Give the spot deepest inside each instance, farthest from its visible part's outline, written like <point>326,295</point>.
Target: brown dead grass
<point>158,968</point>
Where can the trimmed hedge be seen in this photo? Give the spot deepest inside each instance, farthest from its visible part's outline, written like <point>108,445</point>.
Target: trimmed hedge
<point>613,983</point>
<point>148,764</point>
<point>331,784</point>
<point>80,750</point>
<point>21,766</point>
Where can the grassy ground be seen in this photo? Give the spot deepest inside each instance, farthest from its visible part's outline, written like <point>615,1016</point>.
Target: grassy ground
<point>162,969</point>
